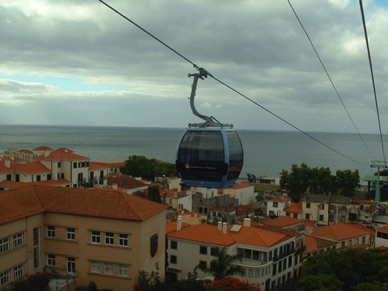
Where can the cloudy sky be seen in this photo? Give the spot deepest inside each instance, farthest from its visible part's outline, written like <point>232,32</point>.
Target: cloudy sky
<point>71,62</point>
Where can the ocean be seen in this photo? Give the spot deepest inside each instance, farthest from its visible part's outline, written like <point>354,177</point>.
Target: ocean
<point>266,153</point>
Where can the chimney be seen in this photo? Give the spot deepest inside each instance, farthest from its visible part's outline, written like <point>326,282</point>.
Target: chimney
<point>114,186</point>
<point>179,223</point>
<point>247,222</point>
<point>7,163</point>
<point>219,225</point>
<point>224,227</point>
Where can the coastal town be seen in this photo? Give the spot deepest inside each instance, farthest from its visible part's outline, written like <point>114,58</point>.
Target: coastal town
<point>80,221</point>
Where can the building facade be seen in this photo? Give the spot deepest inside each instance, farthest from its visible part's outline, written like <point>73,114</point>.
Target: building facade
<point>79,235</point>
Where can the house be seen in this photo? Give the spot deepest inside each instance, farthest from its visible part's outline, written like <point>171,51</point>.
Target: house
<point>45,164</point>
<point>267,256</point>
<point>326,209</point>
<point>81,235</point>
<point>287,222</point>
<point>317,244</point>
<point>382,236</point>
<point>244,192</point>
<point>361,210</point>
<point>129,184</point>
<point>295,210</point>
<point>276,206</point>
<point>345,234</point>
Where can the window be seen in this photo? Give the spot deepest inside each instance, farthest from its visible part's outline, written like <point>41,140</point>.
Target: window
<point>4,244</point>
<point>17,240</point>
<point>173,259</point>
<point>153,245</point>
<point>51,260</point>
<point>250,273</point>
<point>307,215</point>
<point>363,239</point>
<point>123,270</point>
<point>203,250</point>
<point>9,177</point>
<point>36,247</point>
<point>38,178</point>
<point>95,267</point>
<point>59,164</point>
<point>50,231</point>
<point>109,269</point>
<point>123,240</point>
<point>214,252</point>
<point>75,165</point>
<point>343,244</point>
<point>174,244</point>
<point>4,278</point>
<point>70,233</point>
<point>109,238</point>
<point>275,204</point>
<point>96,237</point>
<point>350,242</point>
<point>322,206</point>
<point>321,217</point>
<point>308,205</point>
<point>18,271</point>
<point>70,265</point>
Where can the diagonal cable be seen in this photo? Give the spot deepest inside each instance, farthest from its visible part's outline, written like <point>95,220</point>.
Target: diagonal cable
<point>372,76</point>
<point>226,85</point>
<point>328,76</point>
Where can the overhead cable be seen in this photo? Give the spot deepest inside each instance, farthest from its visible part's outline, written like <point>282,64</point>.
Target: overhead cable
<point>372,76</point>
<point>229,87</point>
<point>328,76</point>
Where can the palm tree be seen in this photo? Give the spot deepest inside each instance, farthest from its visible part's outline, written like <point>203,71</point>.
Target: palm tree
<point>222,266</point>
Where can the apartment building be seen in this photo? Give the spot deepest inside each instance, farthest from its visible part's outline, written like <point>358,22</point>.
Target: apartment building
<point>276,206</point>
<point>267,256</point>
<point>79,235</point>
<point>346,235</point>
<point>46,164</point>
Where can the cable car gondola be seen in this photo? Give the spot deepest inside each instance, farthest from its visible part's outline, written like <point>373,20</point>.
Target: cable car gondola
<point>210,154</point>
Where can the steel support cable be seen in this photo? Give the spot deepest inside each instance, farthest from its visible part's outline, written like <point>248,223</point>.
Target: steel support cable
<point>331,81</point>
<point>229,87</point>
<point>372,76</point>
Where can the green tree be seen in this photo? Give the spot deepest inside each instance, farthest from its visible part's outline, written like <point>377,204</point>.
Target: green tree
<point>347,182</point>
<point>222,266</point>
<point>320,282</point>
<point>147,168</point>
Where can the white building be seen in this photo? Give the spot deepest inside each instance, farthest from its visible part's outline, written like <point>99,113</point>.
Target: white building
<point>267,256</point>
<point>382,236</point>
<point>244,192</point>
<point>276,206</point>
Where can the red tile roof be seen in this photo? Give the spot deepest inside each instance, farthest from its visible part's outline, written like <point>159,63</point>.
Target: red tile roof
<point>284,221</point>
<point>210,234</point>
<point>281,198</point>
<point>294,208</point>
<point>383,228</point>
<point>31,168</point>
<point>125,181</point>
<point>12,184</point>
<point>240,186</point>
<point>25,201</point>
<point>341,231</point>
<point>62,154</point>
<point>314,244</point>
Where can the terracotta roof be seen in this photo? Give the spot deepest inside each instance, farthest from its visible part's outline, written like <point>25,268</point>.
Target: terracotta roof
<point>281,198</point>
<point>125,181</point>
<point>341,231</point>
<point>25,151</point>
<point>284,221</point>
<point>12,184</point>
<point>62,154</point>
<point>210,234</point>
<point>25,201</point>
<point>294,208</point>
<point>314,244</point>
<point>383,228</point>
<point>31,168</point>
<point>240,186</point>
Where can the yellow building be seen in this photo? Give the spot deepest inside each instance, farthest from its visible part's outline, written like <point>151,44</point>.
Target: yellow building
<point>79,235</point>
